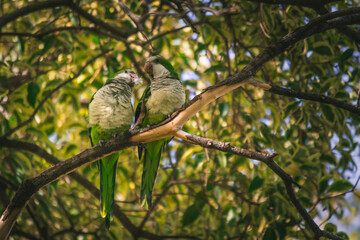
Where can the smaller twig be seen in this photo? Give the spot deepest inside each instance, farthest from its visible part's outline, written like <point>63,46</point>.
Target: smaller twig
<point>182,12</point>
<point>137,21</point>
<point>225,147</point>
<point>358,99</point>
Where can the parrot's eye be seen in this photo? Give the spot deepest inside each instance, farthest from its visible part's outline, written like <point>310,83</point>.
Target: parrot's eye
<point>126,71</point>
<point>157,61</point>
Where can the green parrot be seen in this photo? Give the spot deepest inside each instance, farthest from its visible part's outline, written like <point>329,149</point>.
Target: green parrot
<point>110,112</point>
<point>165,95</point>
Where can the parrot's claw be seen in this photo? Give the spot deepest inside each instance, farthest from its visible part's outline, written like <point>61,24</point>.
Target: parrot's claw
<point>115,135</point>
<point>101,143</point>
<point>136,127</point>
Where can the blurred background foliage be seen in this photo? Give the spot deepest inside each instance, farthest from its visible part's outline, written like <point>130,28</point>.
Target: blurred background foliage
<point>206,41</point>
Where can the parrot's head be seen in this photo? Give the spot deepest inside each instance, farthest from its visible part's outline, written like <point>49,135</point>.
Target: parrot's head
<point>128,75</point>
<point>158,67</point>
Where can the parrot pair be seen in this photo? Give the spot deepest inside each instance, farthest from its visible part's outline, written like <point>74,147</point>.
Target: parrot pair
<point>111,112</point>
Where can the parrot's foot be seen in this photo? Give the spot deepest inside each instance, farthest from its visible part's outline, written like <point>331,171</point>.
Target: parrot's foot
<point>136,127</point>
<point>115,135</point>
<point>101,143</point>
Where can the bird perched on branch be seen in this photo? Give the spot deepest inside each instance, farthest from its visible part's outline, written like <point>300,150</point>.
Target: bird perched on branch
<point>110,112</point>
<point>165,95</point>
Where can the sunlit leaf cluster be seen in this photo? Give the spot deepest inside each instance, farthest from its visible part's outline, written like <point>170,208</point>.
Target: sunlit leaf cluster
<point>204,194</point>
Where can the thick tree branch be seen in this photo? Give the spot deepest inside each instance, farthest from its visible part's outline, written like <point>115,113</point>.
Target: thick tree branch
<point>224,147</point>
<point>33,148</point>
<point>33,7</point>
<point>111,28</point>
<point>318,6</point>
<point>32,185</point>
<point>314,97</point>
<point>353,35</point>
<point>41,34</point>
<point>301,3</point>
<point>307,96</point>
<point>118,213</point>
<point>268,160</point>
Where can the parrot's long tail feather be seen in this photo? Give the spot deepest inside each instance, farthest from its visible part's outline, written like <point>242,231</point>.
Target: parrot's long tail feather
<point>151,162</point>
<point>107,186</point>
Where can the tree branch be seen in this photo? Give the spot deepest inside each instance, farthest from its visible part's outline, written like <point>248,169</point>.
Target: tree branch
<point>224,147</point>
<point>318,6</point>
<point>301,3</point>
<point>118,213</point>
<point>268,160</point>
<point>30,147</point>
<point>33,7</point>
<point>307,96</point>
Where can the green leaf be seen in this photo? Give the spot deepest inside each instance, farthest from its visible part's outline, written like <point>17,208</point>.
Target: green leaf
<point>32,91</point>
<point>184,58</point>
<point>70,148</point>
<point>328,158</point>
<point>281,229</point>
<point>327,112</point>
<point>291,107</point>
<point>330,227</point>
<point>346,55</point>
<point>48,42</point>
<point>256,183</point>
<point>343,235</point>
<point>224,109</point>
<point>190,83</point>
<point>95,39</point>
<point>216,68</point>
<point>192,213</point>
<point>340,186</point>
<point>270,234</point>
<point>323,184</point>
<point>342,95</point>
<point>222,159</point>
<point>323,50</point>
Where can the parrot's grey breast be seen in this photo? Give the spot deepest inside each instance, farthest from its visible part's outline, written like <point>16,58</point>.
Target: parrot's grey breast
<point>167,95</point>
<point>111,107</point>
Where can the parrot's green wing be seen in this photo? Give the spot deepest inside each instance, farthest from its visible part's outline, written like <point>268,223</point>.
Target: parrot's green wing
<point>151,160</point>
<point>110,112</point>
<point>172,98</point>
<point>151,157</point>
<point>107,167</point>
<point>169,67</point>
<point>144,97</point>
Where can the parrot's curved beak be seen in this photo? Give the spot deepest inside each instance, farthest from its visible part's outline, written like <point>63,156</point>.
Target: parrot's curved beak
<point>148,68</point>
<point>134,79</point>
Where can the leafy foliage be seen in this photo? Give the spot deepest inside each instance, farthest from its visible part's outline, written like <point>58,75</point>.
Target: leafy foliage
<point>317,143</point>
